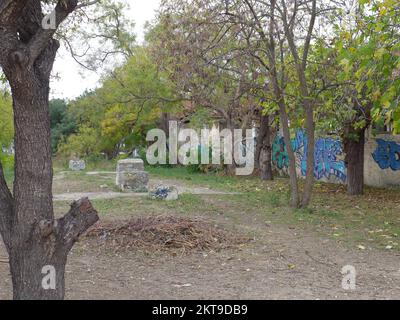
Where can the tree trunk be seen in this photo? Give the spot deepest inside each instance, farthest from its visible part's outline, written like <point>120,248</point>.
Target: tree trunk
<point>354,143</point>
<point>230,168</point>
<point>284,118</point>
<point>264,153</point>
<point>310,131</point>
<point>294,188</point>
<point>36,242</point>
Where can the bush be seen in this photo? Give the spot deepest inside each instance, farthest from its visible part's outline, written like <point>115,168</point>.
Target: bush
<point>205,168</point>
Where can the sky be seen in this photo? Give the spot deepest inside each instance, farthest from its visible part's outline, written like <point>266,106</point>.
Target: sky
<point>70,82</point>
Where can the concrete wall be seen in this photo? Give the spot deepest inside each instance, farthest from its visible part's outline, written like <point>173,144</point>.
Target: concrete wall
<point>382,159</point>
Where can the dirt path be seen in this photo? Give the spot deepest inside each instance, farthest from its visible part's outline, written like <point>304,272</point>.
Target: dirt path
<point>283,264</point>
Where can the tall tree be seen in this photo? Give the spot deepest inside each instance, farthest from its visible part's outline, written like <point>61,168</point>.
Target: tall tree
<point>360,77</point>
<point>35,241</point>
<point>205,58</point>
<point>280,37</point>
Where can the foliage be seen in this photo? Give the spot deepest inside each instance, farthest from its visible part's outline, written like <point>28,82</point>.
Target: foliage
<point>205,168</point>
<point>82,144</point>
<point>361,68</point>
<point>6,120</point>
<point>62,125</point>
<point>117,116</point>
<point>107,39</point>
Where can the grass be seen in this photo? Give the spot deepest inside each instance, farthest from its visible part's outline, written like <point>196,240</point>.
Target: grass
<point>371,220</point>
<point>214,181</point>
<point>122,208</point>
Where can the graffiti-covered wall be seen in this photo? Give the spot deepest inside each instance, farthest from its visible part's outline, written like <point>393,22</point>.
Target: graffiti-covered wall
<point>382,159</point>
<point>329,157</point>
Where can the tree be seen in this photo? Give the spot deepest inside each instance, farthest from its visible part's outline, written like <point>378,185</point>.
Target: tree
<point>204,57</point>
<point>62,125</point>
<point>34,239</point>
<point>264,148</point>
<point>117,115</point>
<point>359,78</point>
<point>280,35</point>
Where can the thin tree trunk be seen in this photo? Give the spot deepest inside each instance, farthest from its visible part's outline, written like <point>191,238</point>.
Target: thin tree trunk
<point>308,103</point>
<point>259,144</point>
<point>270,42</point>
<point>230,169</point>
<point>294,188</point>
<point>310,131</point>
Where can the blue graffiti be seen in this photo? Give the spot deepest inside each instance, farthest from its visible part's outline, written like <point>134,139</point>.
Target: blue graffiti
<point>326,163</point>
<point>300,147</point>
<point>326,155</point>
<point>387,155</point>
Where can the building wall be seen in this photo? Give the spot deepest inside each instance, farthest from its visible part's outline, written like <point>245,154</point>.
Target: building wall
<point>382,161</point>
<point>381,167</point>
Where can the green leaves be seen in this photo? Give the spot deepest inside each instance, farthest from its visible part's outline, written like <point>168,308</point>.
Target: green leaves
<point>6,120</point>
<point>118,115</point>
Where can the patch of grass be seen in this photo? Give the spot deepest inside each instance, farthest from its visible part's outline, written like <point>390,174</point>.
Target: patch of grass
<point>209,180</point>
<point>91,165</point>
<point>274,199</point>
<point>187,204</point>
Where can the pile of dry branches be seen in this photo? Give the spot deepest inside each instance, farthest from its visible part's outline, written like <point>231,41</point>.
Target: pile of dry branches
<point>164,233</point>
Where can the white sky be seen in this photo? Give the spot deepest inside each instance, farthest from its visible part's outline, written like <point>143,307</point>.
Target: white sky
<point>71,83</point>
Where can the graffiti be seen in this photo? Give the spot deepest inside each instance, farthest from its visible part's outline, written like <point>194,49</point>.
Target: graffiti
<point>326,153</point>
<point>326,163</point>
<point>300,147</point>
<point>280,156</point>
<point>387,155</point>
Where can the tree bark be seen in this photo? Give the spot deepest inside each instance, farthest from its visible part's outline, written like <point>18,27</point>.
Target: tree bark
<point>354,144</point>
<point>264,149</point>
<point>230,168</point>
<point>310,131</point>
<point>48,245</point>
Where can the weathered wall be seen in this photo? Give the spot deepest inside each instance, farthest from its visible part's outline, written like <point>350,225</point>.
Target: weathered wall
<point>382,159</point>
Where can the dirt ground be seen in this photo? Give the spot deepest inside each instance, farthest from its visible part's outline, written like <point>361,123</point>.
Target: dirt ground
<point>282,262</point>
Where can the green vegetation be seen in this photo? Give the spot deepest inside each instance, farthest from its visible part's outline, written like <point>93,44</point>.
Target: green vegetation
<point>6,135</point>
<point>62,125</point>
